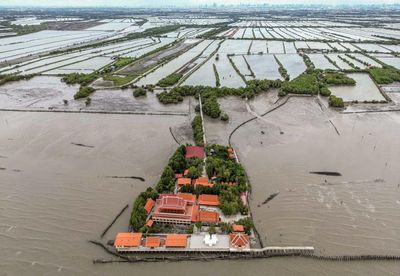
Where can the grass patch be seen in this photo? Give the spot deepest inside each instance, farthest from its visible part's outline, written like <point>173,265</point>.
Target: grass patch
<point>217,80</point>
<point>170,80</point>
<point>211,107</point>
<point>119,81</point>
<point>123,61</point>
<point>79,78</point>
<point>335,101</point>
<point>84,91</point>
<point>303,84</point>
<point>385,75</point>
<point>10,78</point>
<point>138,92</point>
<point>197,126</point>
<point>26,29</point>
<point>336,78</point>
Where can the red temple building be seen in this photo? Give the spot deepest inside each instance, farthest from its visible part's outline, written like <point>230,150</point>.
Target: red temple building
<point>177,209</point>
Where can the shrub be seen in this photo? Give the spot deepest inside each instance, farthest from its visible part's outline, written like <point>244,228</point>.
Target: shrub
<point>138,92</point>
<point>178,162</point>
<point>139,215</point>
<point>211,107</point>
<point>336,78</point>
<point>84,91</point>
<point>167,181</point>
<point>324,91</point>
<point>335,101</point>
<point>10,78</point>
<point>385,75</point>
<point>193,172</point>
<point>123,61</point>
<point>224,117</point>
<point>197,126</point>
<point>247,224</point>
<point>79,78</point>
<point>217,80</point>
<point>306,83</point>
<point>170,80</point>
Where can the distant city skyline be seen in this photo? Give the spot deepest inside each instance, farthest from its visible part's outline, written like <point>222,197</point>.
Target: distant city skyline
<point>183,3</point>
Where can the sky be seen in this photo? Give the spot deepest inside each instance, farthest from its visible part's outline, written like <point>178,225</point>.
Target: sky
<point>159,3</point>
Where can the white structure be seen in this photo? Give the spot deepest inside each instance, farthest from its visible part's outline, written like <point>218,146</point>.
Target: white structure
<point>210,240</point>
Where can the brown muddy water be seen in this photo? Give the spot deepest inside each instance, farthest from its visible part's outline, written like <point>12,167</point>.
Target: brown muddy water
<point>54,196</point>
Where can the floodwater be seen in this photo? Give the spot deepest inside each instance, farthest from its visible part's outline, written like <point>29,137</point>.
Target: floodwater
<point>54,196</point>
<point>356,213</point>
<point>364,90</point>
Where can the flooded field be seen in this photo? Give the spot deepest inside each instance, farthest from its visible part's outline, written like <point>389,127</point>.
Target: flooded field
<point>321,62</point>
<point>293,63</point>
<point>264,66</point>
<point>44,93</point>
<point>39,92</point>
<point>364,90</point>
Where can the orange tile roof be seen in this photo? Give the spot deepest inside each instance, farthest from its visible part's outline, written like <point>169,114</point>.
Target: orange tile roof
<point>203,181</point>
<point>149,223</point>
<point>207,216</point>
<point>128,239</point>
<point>186,172</point>
<point>195,213</point>
<point>149,205</point>
<point>152,242</point>
<point>239,240</point>
<point>171,202</point>
<point>187,196</point>
<point>210,200</point>
<point>238,228</point>
<point>184,181</point>
<point>176,240</point>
